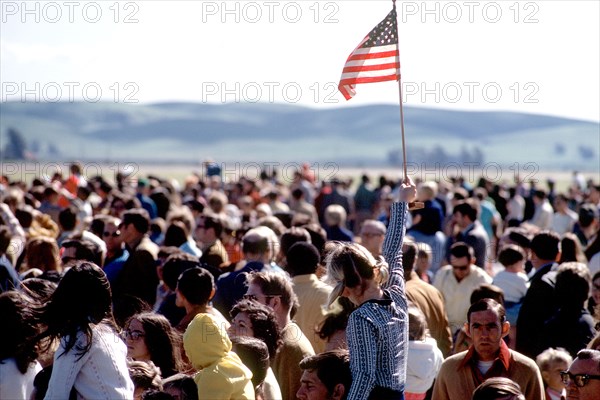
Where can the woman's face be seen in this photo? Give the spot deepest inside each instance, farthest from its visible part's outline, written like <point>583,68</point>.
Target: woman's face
<point>136,342</point>
<point>596,290</point>
<point>241,325</point>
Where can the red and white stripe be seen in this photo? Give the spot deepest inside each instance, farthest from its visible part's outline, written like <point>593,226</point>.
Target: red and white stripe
<point>368,65</point>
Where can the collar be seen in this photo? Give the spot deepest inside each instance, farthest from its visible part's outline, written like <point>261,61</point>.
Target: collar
<point>385,301</point>
<point>413,276</point>
<point>554,394</point>
<point>468,228</point>
<point>135,244</point>
<point>504,356</point>
<point>542,270</point>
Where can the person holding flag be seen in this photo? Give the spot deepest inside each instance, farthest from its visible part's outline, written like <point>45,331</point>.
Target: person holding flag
<point>377,332</point>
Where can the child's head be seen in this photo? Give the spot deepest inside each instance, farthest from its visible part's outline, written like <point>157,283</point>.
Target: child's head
<point>195,285</point>
<point>145,376</point>
<point>417,324</point>
<point>551,362</point>
<point>512,257</point>
<point>181,387</point>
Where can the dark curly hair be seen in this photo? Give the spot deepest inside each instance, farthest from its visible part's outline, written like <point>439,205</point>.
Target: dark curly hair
<point>264,323</point>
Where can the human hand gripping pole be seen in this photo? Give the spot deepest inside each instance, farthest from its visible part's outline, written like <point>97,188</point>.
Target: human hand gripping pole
<point>408,194</point>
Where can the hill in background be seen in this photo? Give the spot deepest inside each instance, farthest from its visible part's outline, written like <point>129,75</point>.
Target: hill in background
<point>352,136</point>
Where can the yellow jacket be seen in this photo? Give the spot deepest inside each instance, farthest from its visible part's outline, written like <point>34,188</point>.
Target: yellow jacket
<point>222,375</point>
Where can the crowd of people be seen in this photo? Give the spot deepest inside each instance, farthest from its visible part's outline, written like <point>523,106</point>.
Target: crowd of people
<point>210,288</point>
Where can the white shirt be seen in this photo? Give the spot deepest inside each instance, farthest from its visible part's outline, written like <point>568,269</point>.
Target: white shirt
<point>101,373</point>
<point>14,384</point>
<point>514,285</point>
<point>516,208</point>
<point>424,363</point>
<point>563,223</point>
<point>457,294</point>
<point>542,217</point>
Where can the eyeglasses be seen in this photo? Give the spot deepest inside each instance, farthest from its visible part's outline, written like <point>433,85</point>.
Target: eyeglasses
<point>580,379</point>
<point>133,335</point>
<point>113,234</point>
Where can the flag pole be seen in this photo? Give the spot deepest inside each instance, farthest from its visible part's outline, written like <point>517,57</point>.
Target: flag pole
<point>417,204</point>
<point>400,97</point>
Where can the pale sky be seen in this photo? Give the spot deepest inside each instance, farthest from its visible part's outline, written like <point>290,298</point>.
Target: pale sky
<point>537,57</point>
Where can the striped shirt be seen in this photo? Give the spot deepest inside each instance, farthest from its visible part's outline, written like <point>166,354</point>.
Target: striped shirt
<point>377,331</point>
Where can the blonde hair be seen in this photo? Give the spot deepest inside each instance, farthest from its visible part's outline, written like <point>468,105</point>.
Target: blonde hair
<point>550,356</point>
<point>348,264</point>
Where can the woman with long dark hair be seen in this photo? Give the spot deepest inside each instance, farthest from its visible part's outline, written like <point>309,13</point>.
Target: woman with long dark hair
<point>150,337</point>
<point>91,359</point>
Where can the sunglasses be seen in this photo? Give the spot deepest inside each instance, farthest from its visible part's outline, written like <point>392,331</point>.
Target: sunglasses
<point>580,379</point>
<point>113,234</point>
<point>461,268</point>
<point>133,335</point>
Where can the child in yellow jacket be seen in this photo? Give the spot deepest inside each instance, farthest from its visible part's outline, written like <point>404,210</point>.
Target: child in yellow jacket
<point>222,375</point>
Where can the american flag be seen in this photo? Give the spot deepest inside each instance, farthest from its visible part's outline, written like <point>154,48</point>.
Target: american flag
<point>376,59</point>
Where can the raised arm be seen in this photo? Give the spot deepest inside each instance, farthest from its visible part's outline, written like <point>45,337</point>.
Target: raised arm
<point>18,239</point>
<point>392,245</point>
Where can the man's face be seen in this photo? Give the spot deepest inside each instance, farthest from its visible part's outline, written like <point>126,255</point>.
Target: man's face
<point>486,331</point>
<point>201,231</point>
<point>255,292</point>
<point>127,232</point>
<point>591,390</point>
<point>372,239</point>
<point>461,267</point>
<point>112,236</point>
<point>459,220</point>
<point>311,387</point>
<point>559,204</point>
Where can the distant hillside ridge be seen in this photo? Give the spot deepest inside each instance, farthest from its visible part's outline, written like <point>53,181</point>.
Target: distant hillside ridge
<point>363,135</point>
